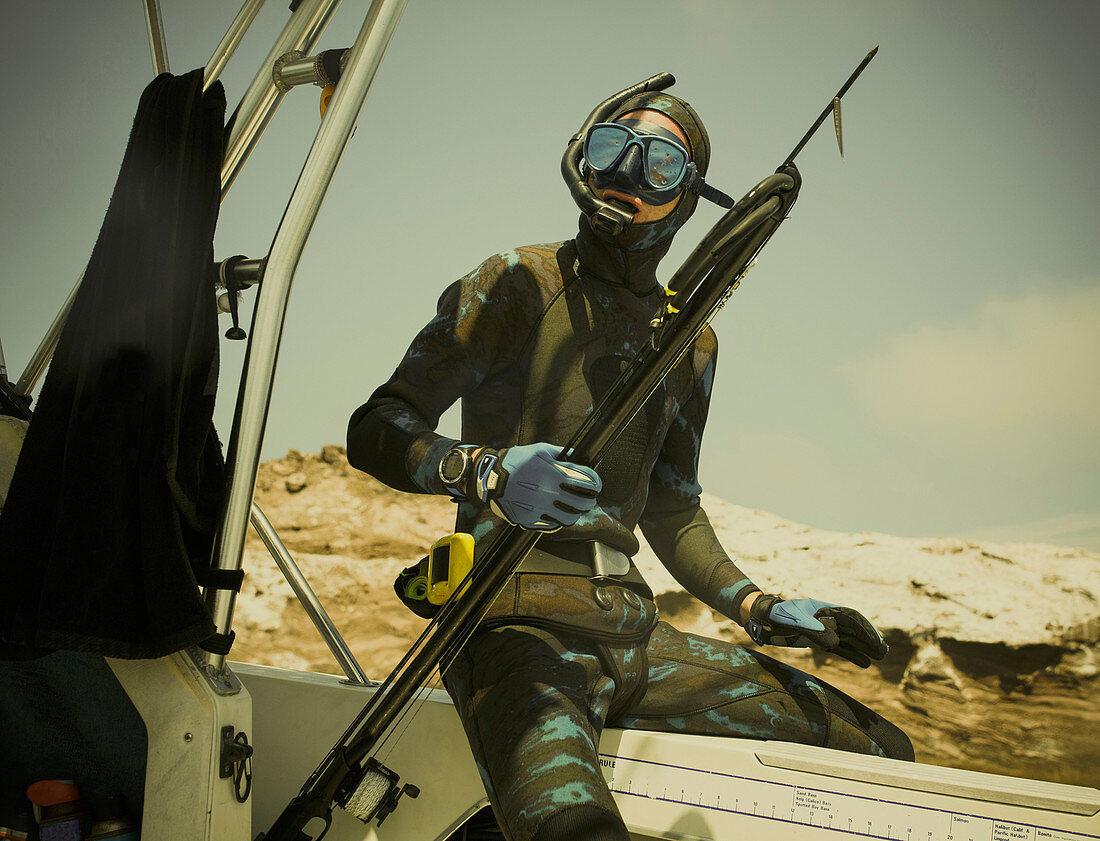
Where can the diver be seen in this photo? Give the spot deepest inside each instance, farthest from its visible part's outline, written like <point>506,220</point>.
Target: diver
<point>529,341</point>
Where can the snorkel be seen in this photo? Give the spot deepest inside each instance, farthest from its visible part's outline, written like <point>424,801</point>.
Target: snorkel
<point>614,221</point>
<point>608,217</point>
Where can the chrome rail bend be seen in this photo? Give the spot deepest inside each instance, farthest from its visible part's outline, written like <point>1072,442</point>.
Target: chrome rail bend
<point>269,312</point>
<point>300,32</point>
<point>262,97</point>
<point>229,42</point>
<point>158,48</point>
<point>307,597</point>
<point>42,355</point>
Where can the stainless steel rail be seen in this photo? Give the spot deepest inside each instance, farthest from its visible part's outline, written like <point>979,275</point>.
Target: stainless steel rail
<point>254,113</point>
<point>298,583</point>
<point>262,97</point>
<point>157,46</point>
<point>270,310</point>
<point>44,352</point>
<point>230,41</point>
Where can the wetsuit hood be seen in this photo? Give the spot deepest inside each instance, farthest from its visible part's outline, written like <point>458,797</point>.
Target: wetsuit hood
<point>652,235</point>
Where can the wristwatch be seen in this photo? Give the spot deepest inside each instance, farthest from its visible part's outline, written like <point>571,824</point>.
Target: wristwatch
<point>454,470</point>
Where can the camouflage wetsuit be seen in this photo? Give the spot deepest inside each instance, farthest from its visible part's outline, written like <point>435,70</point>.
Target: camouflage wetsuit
<point>527,341</point>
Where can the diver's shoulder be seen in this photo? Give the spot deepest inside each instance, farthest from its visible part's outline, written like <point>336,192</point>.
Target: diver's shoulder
<point>707,337</point>
<point>530,273</point>
<point>706,343</point>
<point>535,256</point>
<point>543,248</point>
<point>522,257</point>
<point>526,266</point>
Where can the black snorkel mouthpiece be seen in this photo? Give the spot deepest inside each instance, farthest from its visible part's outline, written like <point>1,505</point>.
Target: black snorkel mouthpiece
<point>612,217</point>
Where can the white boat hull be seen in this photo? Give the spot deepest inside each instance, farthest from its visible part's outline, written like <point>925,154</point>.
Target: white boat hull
<point>667,786</point>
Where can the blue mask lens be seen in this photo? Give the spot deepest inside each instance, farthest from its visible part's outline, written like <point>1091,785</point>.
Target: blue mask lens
<point>604,145</point>
<point>654,172</point>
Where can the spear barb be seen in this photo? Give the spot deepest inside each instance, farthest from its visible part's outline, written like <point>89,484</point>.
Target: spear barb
<point>836,125</point>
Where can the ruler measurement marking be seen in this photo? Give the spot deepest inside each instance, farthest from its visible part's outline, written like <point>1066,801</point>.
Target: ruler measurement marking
<point>927,810</point>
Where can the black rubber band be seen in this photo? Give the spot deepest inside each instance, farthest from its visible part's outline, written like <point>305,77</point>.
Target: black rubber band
<point>331,67</point>
<point>219,643</point>
<point>225,271</point>
<point>222,579</point>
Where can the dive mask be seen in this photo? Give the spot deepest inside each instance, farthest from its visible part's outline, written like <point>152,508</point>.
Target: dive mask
<point>652,164</point>
<point>658,182</point>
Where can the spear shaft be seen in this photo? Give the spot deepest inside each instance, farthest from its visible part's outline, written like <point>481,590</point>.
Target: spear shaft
<point>828,108</point>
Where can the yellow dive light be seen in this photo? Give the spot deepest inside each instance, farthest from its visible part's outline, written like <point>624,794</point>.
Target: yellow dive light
<point>449,561</point>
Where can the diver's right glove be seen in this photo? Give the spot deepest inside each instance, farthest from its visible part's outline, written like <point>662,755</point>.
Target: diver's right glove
<point>529,487</point>
<point>800,623</point>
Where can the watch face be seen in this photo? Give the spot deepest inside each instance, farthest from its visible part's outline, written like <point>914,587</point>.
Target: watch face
<point>453,466</point>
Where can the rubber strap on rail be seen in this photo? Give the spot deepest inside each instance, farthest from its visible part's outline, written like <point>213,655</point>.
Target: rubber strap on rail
<point>222,579</point>
<point>219,643</point>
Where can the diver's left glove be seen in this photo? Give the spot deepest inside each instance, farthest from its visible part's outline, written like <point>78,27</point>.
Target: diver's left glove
<point>800,623</point>
<point>530,487</point>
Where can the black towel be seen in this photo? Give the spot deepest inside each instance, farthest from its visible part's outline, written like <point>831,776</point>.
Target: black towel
<point>112,508</point>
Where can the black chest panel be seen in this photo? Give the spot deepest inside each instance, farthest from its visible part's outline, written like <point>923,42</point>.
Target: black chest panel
<point>587,335</point>
<point>619,467</point>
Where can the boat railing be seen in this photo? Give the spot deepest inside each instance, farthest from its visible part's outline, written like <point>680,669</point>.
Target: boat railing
<point>258,105</point>
<point>312,605</point>
<point>254,396</point>
<point>273,275</point>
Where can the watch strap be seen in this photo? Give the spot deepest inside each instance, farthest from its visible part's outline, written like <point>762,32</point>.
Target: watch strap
<point>489,475</point>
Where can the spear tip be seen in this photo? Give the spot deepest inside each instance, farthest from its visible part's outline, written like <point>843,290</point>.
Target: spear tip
<point>871,54</point>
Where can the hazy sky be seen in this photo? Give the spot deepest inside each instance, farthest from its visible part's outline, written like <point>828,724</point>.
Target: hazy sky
<point>916,351</point>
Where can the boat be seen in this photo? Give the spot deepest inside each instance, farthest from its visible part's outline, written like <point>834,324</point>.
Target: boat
<point>229,745</point>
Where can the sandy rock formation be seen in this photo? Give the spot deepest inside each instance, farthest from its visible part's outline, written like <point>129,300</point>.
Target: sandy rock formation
<point>995,648</point>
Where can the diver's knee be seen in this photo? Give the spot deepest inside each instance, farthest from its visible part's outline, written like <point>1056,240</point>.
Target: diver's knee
<point>893,741</point>
<point>584,822</point>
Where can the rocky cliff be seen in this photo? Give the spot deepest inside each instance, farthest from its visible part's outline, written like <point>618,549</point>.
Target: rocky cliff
<point>994,648</point>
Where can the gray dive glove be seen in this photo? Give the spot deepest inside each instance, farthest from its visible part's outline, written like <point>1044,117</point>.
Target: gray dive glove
<point>529,487</point>
<point>800,623</point>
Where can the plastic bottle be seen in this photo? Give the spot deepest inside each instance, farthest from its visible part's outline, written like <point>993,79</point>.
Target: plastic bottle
<point>61,815</point>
